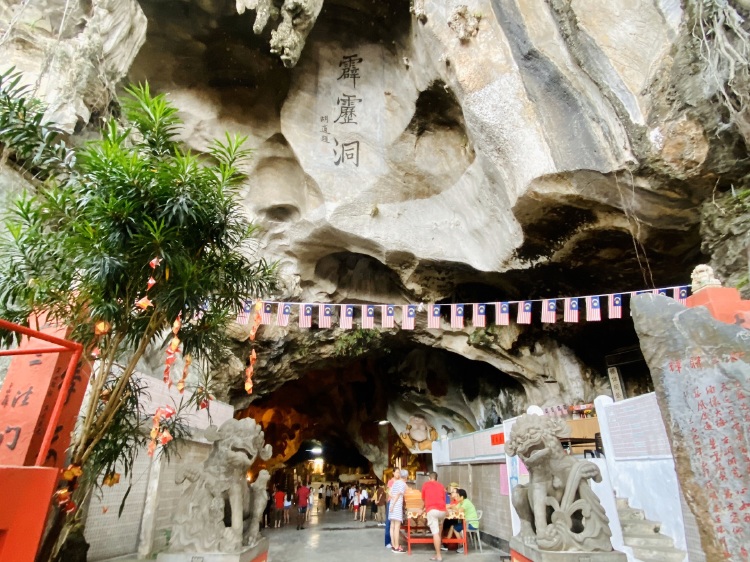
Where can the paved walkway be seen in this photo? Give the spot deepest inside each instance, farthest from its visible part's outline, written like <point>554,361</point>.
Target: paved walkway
<point>335,536</point>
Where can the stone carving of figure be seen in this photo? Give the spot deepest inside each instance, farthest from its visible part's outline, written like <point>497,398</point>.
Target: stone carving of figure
<point>199,523</point>
<point>557,508</point>
<point>702,277</point>
<point>419,434</point>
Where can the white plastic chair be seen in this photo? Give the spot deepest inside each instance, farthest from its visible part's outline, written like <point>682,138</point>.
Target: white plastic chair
<point>474,533</point>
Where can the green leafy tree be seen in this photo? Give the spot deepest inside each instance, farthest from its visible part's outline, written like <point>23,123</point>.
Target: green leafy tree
<point>80,248</point>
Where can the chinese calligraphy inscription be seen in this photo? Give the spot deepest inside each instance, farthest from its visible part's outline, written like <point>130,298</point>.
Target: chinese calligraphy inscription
<point>346,150</point>
<point>702,379</point>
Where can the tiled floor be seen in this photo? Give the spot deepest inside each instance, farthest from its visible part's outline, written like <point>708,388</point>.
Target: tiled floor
<point>335,536</point>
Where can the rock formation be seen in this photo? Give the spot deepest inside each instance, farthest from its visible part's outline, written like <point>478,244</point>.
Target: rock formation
<point>496,150</point>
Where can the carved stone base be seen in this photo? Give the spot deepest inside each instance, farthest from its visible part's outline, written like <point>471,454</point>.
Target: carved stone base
<point>257,553</point>
<point>535,555</point>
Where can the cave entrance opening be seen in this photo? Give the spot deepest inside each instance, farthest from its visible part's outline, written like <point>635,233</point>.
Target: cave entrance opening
<point>356,415</point>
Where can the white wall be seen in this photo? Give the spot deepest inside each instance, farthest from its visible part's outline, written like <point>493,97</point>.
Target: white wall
<point>640,462</point>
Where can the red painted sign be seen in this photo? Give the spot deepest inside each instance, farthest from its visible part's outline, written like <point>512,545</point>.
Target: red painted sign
<point>27,398</point>
<point>497,438</point>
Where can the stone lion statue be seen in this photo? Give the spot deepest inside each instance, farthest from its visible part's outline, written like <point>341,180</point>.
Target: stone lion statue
<point>219,490</point>
<point>702,277</point>
<point>557,508</point>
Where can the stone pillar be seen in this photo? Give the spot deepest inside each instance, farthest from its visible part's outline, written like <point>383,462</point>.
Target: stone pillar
<point>150,508</point>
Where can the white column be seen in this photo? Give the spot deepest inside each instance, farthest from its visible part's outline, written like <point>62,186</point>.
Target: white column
<point>151,505</point>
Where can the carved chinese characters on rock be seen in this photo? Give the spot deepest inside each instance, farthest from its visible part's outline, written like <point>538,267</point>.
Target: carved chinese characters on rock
<point>346,118</point>
<point>702,380</point>
<point>721,410</point>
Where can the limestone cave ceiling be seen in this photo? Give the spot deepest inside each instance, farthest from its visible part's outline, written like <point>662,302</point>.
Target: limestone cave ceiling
<point>512,150</point>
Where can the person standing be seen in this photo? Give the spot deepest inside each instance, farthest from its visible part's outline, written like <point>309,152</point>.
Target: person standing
<point>364,500</point>
<point>302,497</point>
<point>388,508</point>
<point>378,505</point>
<point>287,508</point>
<point>329,494</point>
<point>278,498</point>
<point>396,511</point>
<point>433,494</point>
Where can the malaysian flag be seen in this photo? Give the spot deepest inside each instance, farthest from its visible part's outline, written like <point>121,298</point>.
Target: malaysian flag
<point>386,315</point>
<point>593,310</point>
<point>502,313</point>
<point>282,314</point>
<point>615,306</point>
<point>325,312</point>
<point>549,311</point>
<point>368,316</point>
<point>662,292</point>
<point>524,312</point>
<point>433,316</point>
<point>480,315</point>
<point>571,310</point>
<point>244,315</point>
<point>347,314</point>
<point>265,313</point>
<point>409,313</point>
<point>680,294</point>
<point>457,316</point>
<point>305,315</point>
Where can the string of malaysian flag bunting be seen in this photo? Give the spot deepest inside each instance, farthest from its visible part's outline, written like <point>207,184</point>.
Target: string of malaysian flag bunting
<point>328,314</point>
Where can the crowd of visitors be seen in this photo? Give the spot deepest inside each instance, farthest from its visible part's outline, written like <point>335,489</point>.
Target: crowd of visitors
<point>388,505</point>
<point>358,499</point>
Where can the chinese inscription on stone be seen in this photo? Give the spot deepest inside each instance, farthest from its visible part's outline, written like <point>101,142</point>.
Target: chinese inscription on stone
<point>702,381</point>
<point>348,106</point>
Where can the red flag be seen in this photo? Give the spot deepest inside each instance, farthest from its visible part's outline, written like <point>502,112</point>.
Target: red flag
<point>549,311</point>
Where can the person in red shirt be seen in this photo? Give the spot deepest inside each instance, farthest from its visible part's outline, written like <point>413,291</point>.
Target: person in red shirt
<point>433,494</point>
<point>303,495</point>
<point>278,499</point>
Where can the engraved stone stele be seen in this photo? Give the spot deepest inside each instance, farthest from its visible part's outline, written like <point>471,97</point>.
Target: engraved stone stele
<point>702,277</point>
<point>218,516</point>
<point>702,382</point>
<point>561,517</point>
